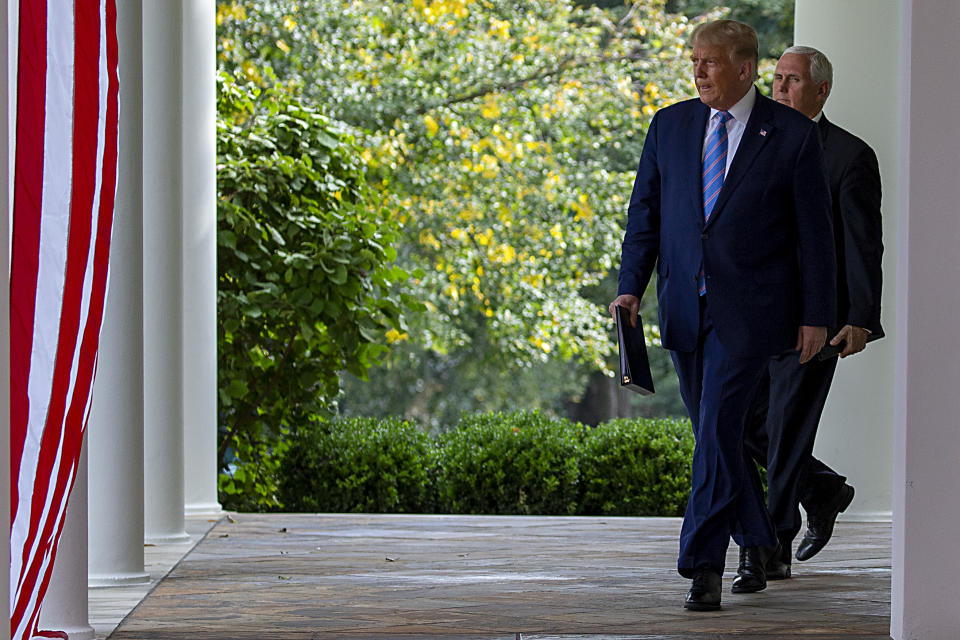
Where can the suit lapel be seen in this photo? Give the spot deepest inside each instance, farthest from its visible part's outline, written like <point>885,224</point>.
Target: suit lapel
<point>694,129</point>
<point>759,129</point>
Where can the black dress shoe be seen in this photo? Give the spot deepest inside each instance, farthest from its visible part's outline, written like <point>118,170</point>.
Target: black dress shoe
<point>704,593</point>
<point>778,566</point>
<point>820,525</point>
<point>751,572</point>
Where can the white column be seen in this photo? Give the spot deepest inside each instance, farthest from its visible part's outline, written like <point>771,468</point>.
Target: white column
<point>65,604</point>
<point>115,434</point>
<point>7,75</point>
<point>927,374</point>
<point>856,432</point>
<point>162,279</point>
<point>199,323</point>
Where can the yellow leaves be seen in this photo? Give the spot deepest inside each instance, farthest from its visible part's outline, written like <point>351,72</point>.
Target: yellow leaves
<point>431,124</point>
<point>535,280</point>
<point>582,209</point>
<point>502,254</point>
<point>395,336</point>
<point>283,46</point>
<point>651,91</point>
<point>458,234</point>
<point>438,9</point>
<point>427,239</point>
<point>365,56</point>
<point>289,23</point>
<point>483,238</point>
<point>541,344</point>
<point>648,110</point>
<point>499,29</point>
<point>556,232</point>
<point>550,184</point>
<point>251,72</point>
<point>469,214</point>
<point>490,108</point>
<point>232,11</point>
<point>489,165</point>
<point>368,158</point>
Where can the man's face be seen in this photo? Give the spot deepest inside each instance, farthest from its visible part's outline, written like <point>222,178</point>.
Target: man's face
<point>793,86</point>
<point>720,81</point>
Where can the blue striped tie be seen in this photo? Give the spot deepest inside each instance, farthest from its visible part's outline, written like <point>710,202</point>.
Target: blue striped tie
<point>714,167</point>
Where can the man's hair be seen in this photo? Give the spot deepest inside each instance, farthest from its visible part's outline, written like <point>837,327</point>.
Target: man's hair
<point>820,68</point>
<point>740,38</point>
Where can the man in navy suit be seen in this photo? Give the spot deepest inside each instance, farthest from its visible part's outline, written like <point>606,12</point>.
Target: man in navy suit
<point>786,412</point>
<point>731,206</point>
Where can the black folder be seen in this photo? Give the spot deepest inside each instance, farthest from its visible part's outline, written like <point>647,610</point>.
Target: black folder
<point>830,351</point>
<point>634,364</point>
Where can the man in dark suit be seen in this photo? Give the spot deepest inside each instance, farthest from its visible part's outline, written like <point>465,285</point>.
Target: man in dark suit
<point>787,410</point>
<point>731,206</point>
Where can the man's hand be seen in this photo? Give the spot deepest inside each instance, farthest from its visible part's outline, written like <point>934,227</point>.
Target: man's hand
<point>809,341</point>
<point>855,337</point>
<point>631,302</point>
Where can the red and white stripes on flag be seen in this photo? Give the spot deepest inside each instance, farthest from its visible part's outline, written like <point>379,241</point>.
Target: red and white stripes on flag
<point>64,187</point>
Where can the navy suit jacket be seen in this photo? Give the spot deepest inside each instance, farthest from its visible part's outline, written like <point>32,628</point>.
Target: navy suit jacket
<point>767,251</point>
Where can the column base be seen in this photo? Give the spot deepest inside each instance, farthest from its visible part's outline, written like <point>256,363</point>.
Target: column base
<point>866,516</point>
<point>117,579</point>
<point>167,538</point>
<point>203,509</point>
<point>75,633</point>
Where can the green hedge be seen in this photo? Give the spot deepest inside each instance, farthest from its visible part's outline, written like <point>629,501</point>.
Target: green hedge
<point>636,468</point>
<point>363,465</point>
<point>517,463</point>
<point>514,463</point>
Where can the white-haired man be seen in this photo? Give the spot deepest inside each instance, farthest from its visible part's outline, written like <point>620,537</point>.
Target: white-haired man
<point>787,410</point>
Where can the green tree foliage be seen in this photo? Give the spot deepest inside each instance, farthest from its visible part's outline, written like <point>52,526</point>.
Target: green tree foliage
<point>502,137</point>
<point>306,284</point>
<point>772,19</point>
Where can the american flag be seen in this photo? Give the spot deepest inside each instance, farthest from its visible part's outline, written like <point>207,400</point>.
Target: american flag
<point>64,187</point>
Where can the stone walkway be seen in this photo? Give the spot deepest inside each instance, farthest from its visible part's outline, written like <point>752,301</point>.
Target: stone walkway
<point>379,577</point>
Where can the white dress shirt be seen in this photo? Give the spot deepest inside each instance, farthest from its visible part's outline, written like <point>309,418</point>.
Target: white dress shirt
<point>735,126</point>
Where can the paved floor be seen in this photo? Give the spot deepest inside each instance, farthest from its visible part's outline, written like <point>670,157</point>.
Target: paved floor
<point>108,605</point>
<point>374,577</point>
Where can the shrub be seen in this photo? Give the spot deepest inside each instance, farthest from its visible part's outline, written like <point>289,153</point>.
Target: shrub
<point>636,468</point>
<point>516,463</point>
<point>367,465</point>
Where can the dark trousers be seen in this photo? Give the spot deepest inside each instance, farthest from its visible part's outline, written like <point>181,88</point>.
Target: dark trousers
<point>726,497</point>
<point>781,429</point>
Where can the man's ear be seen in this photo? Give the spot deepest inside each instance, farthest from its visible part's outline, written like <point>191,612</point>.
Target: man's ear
<point>746,69</point>
<point>823,90</point>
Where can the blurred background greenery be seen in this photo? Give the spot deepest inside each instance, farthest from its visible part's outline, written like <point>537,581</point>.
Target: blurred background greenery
<point>421,205</point>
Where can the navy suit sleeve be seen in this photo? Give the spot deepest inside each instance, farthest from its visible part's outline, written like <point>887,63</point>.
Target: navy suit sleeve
<point>641,241</point>
<point>817,254</point>
<point>859,198</point>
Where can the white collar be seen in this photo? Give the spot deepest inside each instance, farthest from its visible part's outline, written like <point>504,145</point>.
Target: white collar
<point>817,117</point>
<point>741,110</point>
